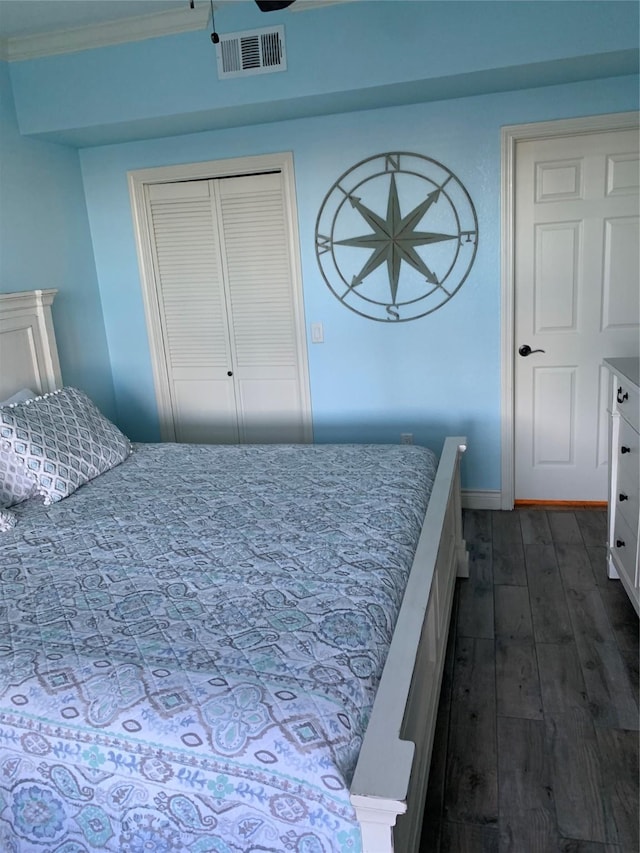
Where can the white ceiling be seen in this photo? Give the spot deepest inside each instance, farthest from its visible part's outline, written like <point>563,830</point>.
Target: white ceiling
<point>23,18</point>
<point>31,17</point>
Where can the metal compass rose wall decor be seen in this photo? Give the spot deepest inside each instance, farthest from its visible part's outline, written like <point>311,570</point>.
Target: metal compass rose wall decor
<point>396,236</point>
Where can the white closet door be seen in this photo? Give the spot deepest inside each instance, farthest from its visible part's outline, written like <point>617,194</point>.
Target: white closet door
<point>224,277</point>
<point>192,311</point>
<point>259,277</point>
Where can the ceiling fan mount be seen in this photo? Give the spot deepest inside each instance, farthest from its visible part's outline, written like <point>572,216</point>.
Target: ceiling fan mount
<point>263,5</point>
<point>273,5</point>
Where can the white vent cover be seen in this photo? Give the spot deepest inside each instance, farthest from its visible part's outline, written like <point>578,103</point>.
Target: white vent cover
<point>251,52</point>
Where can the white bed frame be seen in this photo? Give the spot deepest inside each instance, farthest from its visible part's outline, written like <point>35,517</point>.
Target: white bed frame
<point>390,781</point>
<point>28,351</point>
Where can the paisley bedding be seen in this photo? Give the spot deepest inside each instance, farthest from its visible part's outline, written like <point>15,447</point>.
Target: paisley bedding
<point>190,647</point>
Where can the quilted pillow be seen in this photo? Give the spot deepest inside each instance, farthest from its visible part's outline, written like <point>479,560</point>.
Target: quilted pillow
<point>63,441</point>
<point>7,520</point>
<point>15,484</point>
<point>18,397</point>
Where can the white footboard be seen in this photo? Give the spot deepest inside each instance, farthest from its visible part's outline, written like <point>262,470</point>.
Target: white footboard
<point>390,780</point>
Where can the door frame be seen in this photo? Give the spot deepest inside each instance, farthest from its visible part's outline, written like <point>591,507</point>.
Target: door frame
<point>511,135</point>
<point>208,170</point>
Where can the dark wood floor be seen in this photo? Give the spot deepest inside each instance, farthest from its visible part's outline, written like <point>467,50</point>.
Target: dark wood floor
<point>537,740</point>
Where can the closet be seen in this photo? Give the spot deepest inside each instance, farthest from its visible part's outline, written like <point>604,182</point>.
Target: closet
<point>224,309</point>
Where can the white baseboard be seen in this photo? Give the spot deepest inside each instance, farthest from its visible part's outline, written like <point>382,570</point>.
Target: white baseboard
<point>477,499</point>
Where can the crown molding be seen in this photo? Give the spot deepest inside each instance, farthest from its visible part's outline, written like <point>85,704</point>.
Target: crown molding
<point>306,5</point>
<point>105,34</point>
<point>125,30</point>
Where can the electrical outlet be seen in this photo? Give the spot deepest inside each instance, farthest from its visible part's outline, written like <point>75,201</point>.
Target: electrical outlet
<point>406,438</point>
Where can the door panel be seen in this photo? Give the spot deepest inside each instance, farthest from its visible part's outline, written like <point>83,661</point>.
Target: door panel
<point>262,323</point>
<point>604,401</point>
<point>205,411</point>
<point>268,409</point>
<point>555,290</point>
<point>553,415</point>
<point>190,291</point>
<point>621,303</point>
<point>576,299</point>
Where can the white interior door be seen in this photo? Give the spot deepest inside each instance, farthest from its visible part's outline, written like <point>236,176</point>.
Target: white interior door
<point>576,302</point>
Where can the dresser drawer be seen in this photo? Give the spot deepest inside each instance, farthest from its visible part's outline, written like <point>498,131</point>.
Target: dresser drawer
<point>628,449</point>
<point>625,548</point>
<point>627,401</point>
<point>627,499</point>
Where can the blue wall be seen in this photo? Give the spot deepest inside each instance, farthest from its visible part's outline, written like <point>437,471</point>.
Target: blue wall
<point>369,381</point>
<point>45,242</point>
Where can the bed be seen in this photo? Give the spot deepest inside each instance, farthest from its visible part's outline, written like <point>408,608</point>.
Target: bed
<point>220,648</point>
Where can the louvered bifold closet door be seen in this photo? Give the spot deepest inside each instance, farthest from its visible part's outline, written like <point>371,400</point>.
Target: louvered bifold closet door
<point>192,311</point>
<point>259,277</point>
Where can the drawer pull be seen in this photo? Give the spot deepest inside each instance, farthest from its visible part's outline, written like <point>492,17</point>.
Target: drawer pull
<point>623,497</point>
<point>622,395</point>
<point>624,449</point>
<point>619,543</point>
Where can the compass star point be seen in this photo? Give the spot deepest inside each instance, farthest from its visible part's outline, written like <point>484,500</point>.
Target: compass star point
<point>394,239</point>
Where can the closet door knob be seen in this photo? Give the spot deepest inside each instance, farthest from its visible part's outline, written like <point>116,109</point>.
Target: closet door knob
<point>625,450</point>
<point>619,543</point>
<point>229,372</point>
<point>623,497</point>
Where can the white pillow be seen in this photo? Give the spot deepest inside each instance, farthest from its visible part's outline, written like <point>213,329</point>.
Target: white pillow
<point>15,483</point>
<point>19,397</point>
<point>63,441</point>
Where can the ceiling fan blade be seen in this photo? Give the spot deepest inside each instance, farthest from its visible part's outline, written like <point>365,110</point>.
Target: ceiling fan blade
<point>273,5</point>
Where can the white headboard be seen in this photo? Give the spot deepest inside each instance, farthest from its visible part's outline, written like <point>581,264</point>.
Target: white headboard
<point>28,351</point>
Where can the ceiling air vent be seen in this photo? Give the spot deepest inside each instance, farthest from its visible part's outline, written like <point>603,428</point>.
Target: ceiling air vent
<point>251,52</point>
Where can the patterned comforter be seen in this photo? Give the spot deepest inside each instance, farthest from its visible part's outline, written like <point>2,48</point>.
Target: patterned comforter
<point>190,647</point>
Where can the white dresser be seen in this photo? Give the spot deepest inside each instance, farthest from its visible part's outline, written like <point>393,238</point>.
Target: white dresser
<point>624,474</point>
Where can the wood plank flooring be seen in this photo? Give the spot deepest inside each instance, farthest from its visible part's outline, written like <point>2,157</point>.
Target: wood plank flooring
<point>536,746</point>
